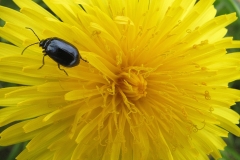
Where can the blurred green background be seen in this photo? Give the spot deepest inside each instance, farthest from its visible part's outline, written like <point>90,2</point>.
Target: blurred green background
<point>231,152</point>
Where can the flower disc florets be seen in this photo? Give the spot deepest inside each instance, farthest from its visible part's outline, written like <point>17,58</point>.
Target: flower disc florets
<point>132,84</point>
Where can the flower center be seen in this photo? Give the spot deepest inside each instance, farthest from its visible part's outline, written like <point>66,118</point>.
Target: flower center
<point>133,85</point>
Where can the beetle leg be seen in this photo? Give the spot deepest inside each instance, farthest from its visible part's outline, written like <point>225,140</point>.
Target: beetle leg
<point>62,69</point>
<point>43,61</point>
<point>83,59</point>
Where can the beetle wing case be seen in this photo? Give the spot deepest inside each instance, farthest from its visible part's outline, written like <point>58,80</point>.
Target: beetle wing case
<point>62,52</point>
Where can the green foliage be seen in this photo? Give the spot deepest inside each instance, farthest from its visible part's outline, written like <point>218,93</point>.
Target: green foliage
<point>232,151</point>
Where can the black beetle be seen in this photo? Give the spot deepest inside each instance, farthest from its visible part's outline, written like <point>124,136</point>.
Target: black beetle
<point>59,50</point>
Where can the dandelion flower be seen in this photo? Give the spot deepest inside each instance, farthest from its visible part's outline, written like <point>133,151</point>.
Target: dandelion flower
<point>155,85</point>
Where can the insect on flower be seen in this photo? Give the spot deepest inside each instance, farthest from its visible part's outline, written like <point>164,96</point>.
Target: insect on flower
<point>62,52</point>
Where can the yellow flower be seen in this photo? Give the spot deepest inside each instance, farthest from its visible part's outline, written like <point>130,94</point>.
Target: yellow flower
<point>155,86</point>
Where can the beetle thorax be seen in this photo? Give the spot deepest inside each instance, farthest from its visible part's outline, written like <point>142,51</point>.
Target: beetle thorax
<point>44,43</point>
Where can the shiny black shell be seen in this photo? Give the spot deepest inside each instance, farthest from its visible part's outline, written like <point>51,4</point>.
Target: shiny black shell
<point>61,51</point>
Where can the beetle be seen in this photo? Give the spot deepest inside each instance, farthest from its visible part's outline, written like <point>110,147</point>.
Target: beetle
<point>59,50</point>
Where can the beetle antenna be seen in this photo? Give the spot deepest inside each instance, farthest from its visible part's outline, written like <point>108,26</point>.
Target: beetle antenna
<point>33,32</point>
<point>29,46</point>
